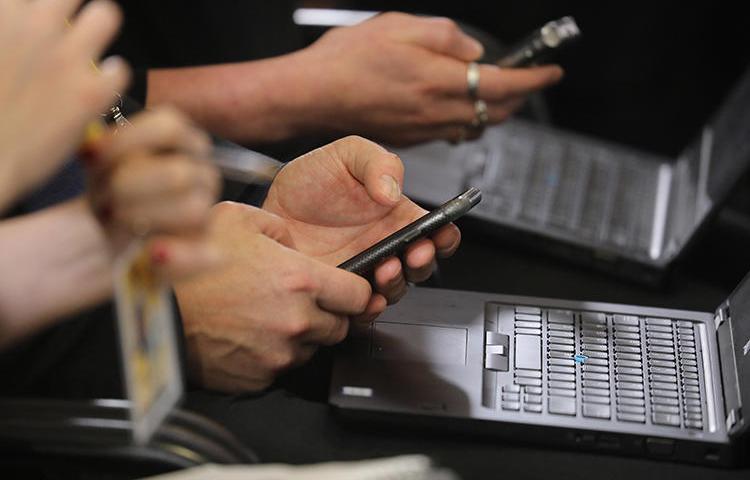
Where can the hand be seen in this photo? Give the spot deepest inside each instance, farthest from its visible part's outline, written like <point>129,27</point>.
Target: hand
<point>401,79</point>
<point>267,309</point>
<point>344,197</point>
<point>154,177</point>
<point>48,87</point>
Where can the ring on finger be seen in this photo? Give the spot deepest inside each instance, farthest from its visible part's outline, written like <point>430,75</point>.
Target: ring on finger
<point>472,80</point>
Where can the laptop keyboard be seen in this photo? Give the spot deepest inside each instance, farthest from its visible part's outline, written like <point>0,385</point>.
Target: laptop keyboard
<point>601,366</point>
<point>549,180</point>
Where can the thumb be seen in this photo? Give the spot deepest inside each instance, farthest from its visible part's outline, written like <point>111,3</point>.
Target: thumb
<point>380,171</point>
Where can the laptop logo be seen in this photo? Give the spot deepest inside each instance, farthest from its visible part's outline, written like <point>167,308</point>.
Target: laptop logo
<point>357,391</point>
<point>746,348</point>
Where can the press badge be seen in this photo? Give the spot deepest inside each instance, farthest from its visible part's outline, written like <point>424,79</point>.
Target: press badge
<point>148,344</point>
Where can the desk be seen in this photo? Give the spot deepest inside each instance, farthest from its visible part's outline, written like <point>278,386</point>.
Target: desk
<point>293,424</point>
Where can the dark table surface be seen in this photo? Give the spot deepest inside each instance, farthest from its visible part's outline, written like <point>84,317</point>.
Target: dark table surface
<point>292,423</point>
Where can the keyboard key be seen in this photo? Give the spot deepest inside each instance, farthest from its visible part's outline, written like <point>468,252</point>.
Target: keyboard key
<point>662,385</point>
<point>559,334</point>
<point>594,354</point>
<point>511,388</point>
<point>561,405</point>
<point>631,417</point>
<point>627,342</point>
<point>510,405</point>
<point>630,393</point>
<point>532,399</point>
<point>602,392</point>
<point>627,356</point>
<point>662,363</point>
<point>694,424</point>
<point>628,386</point>
<point>688,356</point>
<point>666,409</point>
<point>596,376</point>
<point>686,350</point>
<point>621,335</point>
<point>561,369</point>
<point>593,410</point>
<point>560,317</point>
<point>693,395</point>
<point>651,335</point>
<point>628,370</point>
<point>561,361</point>
<point>689,363</point>
<point>664,393</point>
<point>658,329</point>
<point>558,384</point>
<point>592,327</point>
<point>595,334</point>
<point>631,409</point>
<point>520,324</point>
<point>530,310</point>
<point>625,320</point>
<point>594,340</point>
<point>532,408</point>
<point>627,349</point>
<point>690,375</point>
<point>630,401</point>
<point>553,347</point>
<point>665,419</point>
<point>590,317</point>
<point>595,368</point>
<point>663,378</point>
<point>564,377</point>
<point>685,331</point>
<point>629,378</point>
<point>658,321</point>
<point>510,397</point>
<point>664,401</point>
<point>690,381</point>
<point>528,318</point>
<point>660,349</point>
<point>629,363</point>
<point>528,331</point>
<point>684,323</point>
<point>595,347</point>
<point>661,356</point>
<point>534,382</point>
<point>686,368</point>
<point>692,401</point>
<point>595,384</point>
<point>595,399</point>
<point>597,361</point>
<point>692,408</point>
<point>663,371</point>
<point>694,416</point>
<point>559,392</point>
<point>686,344</point>
<point>528,373</point>
<point>560,327</point>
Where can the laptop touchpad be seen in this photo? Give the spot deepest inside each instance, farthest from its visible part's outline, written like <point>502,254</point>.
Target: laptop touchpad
<point>419,343</point>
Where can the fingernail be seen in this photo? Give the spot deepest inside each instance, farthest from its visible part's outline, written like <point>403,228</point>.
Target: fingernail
<point>159,255</point>
<point>391,188</point>
<point>112,65</point>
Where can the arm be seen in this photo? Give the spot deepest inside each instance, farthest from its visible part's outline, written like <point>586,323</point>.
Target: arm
<point>60,263</point>
<point>396,78</point>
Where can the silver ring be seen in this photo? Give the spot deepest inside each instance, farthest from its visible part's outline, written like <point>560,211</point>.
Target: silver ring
<point>472,80</point>
<point>481,115</point>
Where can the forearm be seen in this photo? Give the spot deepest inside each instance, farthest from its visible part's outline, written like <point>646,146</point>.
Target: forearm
<point>251,102</point>
<point>53,263</point>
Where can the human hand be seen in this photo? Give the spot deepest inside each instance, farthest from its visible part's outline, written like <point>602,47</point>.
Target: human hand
<point>340,199</point>
<point>48,87</point>
<point>401,79</point>
<point>154,177</point>
<point>267,308</point>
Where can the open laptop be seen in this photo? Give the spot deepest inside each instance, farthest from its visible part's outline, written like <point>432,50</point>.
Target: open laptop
<point>614,206</point>
<point>621,378</point>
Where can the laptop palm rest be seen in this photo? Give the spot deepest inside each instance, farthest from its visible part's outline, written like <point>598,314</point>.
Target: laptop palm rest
<point>419,343</point>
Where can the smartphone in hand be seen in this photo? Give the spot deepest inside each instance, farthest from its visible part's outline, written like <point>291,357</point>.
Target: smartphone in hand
<point>538,46</point>
<point>395,244</point>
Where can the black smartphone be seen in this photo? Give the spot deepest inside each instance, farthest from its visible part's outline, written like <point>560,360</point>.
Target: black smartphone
<point>394,244</point>
<point>538,46</point>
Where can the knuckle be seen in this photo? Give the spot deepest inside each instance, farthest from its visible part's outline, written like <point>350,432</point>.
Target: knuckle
<point>297,281</point>
<point>281,359</point>
<point>298,326</point>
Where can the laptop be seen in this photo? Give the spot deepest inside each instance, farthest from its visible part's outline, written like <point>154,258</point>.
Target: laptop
<point>612,206</point>
<point>628,379</point>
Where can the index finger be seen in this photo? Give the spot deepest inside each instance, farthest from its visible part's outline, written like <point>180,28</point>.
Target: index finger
<point>497,84</point>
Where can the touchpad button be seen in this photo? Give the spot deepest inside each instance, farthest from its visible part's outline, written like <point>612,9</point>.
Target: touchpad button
<point>419,343</point>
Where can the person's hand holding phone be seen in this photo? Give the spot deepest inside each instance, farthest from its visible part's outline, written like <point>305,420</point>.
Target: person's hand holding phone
<point>342,198</point>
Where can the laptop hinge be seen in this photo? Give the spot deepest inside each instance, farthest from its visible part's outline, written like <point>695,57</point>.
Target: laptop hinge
<point>730,382</point>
